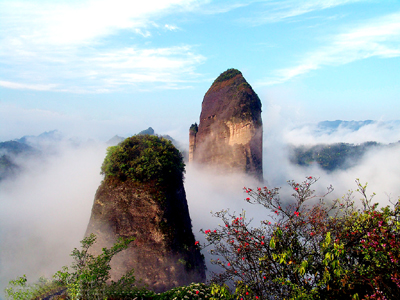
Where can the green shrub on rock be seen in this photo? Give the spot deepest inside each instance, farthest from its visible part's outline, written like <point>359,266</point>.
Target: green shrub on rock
<point>144,158</point>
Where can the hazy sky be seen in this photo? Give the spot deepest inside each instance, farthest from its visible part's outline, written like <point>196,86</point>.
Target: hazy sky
<point>100,68</point>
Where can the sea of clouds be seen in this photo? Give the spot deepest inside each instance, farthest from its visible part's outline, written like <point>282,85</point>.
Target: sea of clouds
<point>46,208</point>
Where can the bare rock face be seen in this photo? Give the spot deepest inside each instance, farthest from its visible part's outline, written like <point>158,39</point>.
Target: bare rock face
<point>229,135</point>
<point>142,196</point>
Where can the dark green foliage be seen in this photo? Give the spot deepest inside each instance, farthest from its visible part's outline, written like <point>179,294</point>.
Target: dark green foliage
<point>90,274</point>
<point>144,158</point>
<point>194,128</point>
<point>228,74</point>
<point>193,291</point>
<point>331,157</point>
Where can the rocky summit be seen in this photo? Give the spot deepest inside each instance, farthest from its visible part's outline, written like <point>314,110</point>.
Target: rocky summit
<point>229,135</point>
<point>142,196</point>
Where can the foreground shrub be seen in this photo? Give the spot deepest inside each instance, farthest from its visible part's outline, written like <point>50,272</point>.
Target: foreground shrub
<point>18,289</point>
<point>90,274</point>
<point>309,250</point>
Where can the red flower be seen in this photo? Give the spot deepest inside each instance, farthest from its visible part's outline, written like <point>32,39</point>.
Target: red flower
<point>229,264</point>
<point>197,292</point>
<point>196,243</point>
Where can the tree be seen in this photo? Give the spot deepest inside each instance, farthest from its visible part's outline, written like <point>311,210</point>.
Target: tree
<point>144,158</point>
<point>309,250</point>
<point>90,274</point>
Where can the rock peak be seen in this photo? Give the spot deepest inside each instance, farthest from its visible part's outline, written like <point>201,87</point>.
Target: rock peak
<point>228,74</point>
<point>142,196</point>
<point>229,134</point>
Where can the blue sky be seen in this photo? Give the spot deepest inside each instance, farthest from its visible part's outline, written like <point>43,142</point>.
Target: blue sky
<point>100,68</point>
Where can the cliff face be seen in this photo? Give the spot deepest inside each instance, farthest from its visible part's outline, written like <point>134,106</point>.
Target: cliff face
<point>156,213</point>
<point>229,135</point>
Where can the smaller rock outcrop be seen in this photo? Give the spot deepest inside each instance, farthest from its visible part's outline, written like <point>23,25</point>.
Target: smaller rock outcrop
<point>192,140</point>
<point>142,196</point>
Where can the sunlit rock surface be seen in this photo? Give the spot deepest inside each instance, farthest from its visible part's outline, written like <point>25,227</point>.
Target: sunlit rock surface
<point>229,135</point>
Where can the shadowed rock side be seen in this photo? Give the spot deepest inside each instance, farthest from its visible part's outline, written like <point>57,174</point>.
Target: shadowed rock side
<point>156,213</point>
<point>229,135</point>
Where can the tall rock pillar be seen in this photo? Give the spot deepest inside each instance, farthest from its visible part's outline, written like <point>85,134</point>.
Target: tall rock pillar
<point>142,196</point>
<point>229,135</point>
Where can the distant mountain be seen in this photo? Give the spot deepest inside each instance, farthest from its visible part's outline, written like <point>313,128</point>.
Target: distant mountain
<point>14,147</point>
<point>331,157</point>
<point>45,137</point>
<point>7,167</point>
<point>115,140</point>
<point>8,152</point>
<point>149,131</point>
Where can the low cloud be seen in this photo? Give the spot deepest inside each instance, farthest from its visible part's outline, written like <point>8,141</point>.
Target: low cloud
<point>45,210</point>
<point>310,134</point>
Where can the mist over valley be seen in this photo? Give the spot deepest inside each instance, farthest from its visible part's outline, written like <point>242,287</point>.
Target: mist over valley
<point>49,181</point>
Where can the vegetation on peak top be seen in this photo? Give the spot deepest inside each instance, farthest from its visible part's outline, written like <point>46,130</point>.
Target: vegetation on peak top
<point>144,158</point>
<point>194,128</point>
<point>228,74</point>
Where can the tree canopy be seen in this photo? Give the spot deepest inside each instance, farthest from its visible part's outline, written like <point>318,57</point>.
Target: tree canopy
<point>144,158</point>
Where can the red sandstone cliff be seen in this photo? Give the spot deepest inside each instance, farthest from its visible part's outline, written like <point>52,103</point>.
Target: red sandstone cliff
<point>229,135</point>
<point>152,208</point>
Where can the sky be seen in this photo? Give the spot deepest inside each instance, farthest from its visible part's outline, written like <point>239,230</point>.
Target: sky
<point>95,69</point>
